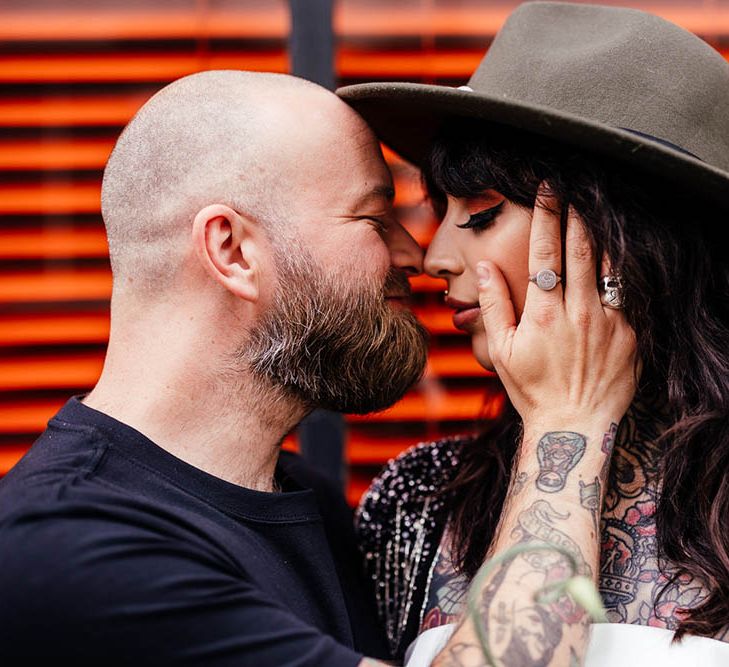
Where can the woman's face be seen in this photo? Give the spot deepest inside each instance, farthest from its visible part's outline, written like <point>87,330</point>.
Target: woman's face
<point>475,228</point>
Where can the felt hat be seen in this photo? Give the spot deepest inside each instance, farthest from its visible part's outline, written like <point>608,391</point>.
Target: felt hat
<point>615,81</point>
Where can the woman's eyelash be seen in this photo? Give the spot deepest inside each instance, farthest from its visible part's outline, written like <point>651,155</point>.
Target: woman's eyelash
<point>481,220</point>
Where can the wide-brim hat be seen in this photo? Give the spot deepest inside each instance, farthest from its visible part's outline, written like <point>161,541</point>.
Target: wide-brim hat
<point>615,81</point>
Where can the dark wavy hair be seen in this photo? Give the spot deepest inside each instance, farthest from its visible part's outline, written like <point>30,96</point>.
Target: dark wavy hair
<point>664,242</point>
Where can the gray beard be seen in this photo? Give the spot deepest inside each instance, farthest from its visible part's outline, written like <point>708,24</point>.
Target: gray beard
<point>336,344</point>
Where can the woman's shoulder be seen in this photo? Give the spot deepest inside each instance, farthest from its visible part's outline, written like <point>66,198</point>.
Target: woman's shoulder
<point>418,473</point>
<point>399,524</point>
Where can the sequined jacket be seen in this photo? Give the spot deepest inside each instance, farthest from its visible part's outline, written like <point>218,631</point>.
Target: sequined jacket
<point>399,524</point>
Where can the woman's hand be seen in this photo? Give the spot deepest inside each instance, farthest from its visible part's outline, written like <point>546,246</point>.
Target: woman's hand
<point>569,358</point>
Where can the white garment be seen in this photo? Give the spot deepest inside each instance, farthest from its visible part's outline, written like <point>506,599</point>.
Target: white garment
<point>611,645</point>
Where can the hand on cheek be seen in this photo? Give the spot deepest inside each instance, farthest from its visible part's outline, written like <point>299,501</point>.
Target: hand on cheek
<point>568,357</point>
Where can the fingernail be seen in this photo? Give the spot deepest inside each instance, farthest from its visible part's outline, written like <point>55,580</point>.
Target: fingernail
<point>483,273</point>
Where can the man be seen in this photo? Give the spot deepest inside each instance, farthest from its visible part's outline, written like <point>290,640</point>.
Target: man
<point>258,274</point>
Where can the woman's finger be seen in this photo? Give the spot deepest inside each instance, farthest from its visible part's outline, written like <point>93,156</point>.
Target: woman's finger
<point>545,255</point>
<point>580,286</point>
<point>497,310</point>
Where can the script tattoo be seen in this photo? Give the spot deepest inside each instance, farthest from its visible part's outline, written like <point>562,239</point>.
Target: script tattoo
<point>558,452</point>
<point>590,500</point>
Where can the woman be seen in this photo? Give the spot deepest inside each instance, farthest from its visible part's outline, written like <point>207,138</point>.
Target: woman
<point>585,100</point>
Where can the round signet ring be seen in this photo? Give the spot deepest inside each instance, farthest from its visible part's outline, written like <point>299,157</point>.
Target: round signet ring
<point>545,279</point>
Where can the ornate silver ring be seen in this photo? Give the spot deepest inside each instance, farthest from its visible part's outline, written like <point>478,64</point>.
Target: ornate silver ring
<point>611,292</point>
<point>546,279</point>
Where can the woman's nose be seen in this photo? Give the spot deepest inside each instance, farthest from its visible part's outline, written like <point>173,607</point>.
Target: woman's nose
<point>442,259</point>
<point>405,253</point>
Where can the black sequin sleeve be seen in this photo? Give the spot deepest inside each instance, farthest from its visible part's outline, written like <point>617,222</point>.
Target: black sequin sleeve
<point>399,525</point>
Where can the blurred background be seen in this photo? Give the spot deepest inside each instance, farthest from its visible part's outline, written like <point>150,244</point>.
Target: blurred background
<point>73,72</point>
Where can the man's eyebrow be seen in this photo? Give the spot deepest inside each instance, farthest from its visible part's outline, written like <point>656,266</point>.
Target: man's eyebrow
<point>378,192</point>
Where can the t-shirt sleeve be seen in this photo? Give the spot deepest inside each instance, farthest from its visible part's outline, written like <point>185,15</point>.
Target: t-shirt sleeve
<point>79,590</point>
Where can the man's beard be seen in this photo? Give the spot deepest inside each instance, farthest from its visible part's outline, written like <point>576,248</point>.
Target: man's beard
<point>336,343</point>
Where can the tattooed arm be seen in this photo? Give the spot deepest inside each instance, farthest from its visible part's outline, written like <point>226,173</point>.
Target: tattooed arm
<point>553,507</point>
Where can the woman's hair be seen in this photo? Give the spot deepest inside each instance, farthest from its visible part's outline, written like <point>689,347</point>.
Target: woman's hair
<point>664,243</point>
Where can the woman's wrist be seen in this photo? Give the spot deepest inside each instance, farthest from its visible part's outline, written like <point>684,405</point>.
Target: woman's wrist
<point>553,460</point>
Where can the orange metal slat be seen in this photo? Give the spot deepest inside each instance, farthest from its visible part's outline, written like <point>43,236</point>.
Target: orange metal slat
<point>438,319</point>
<point>106,110</point>
<point>153,23</point>
<point>56,154</point>
<point>41,198</point>
<point>376,450</point>
<point>61,285</point>
<point>373,65</point>
<point>457,405</point>
<point>57,371</point>
<point>54,329</point>
<point>28,416</point>
<point>131,66</point>
<point>425,283</point>
<point>52,243</point>
<point>432,20</point>
<point>454,363</point>
<point>9,456</point>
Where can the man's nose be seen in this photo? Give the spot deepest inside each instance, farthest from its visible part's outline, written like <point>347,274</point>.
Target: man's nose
<point>405,253</point>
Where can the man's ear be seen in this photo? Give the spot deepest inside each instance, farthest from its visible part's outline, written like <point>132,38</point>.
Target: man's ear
<point>227,245</point>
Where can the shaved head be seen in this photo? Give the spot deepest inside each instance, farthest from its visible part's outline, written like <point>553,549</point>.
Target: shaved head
<point>213,137</point>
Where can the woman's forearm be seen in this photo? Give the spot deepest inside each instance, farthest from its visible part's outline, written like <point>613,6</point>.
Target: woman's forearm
<point>555,499</point>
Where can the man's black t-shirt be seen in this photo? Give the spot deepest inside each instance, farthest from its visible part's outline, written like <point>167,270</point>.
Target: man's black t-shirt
<point>114,551</point>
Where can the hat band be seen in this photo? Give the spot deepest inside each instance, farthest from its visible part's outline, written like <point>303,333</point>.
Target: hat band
<point>668,144</point>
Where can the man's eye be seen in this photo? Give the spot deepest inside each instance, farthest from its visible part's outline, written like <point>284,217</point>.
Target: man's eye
<point>378,224</point>
<point>481,220</point>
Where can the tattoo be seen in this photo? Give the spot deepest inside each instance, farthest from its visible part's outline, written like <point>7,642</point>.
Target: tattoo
<point>524,631</point>
<point>447,591</point>
<point>519,483</point>
<point>608,444</point>
<point>574,660</point>
<point>537,523</point>
<point>636,586</point>
<point>558,452</point>
<point>590,498</point>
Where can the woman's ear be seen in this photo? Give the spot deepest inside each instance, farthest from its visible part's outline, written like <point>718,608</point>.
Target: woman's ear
<point>227,245</point>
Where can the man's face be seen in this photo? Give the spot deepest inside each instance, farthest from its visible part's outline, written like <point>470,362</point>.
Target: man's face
<point>334,332</point>
<point>337,344</point>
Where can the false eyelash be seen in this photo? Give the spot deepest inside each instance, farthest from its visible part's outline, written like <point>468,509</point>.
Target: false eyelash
<point>481,220</point>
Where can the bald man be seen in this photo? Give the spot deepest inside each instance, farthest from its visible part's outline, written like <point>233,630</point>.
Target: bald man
<point>259,273</point>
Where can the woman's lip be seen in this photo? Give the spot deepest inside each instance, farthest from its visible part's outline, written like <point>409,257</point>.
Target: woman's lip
<point>465,319</point>
<point>459,305</point>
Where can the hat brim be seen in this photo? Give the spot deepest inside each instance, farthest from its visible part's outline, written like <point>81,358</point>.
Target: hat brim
<point>406,117</point>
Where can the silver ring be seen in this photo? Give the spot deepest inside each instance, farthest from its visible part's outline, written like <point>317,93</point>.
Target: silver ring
<point>546,279</point>
<point>611,292</point>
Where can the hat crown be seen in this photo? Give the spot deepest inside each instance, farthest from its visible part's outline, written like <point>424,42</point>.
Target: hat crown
<point>621,67</point>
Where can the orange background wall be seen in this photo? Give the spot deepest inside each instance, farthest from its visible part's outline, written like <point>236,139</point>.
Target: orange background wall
<point>73,73</point>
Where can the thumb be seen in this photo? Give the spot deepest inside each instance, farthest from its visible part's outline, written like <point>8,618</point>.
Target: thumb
<point>497,310</point>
